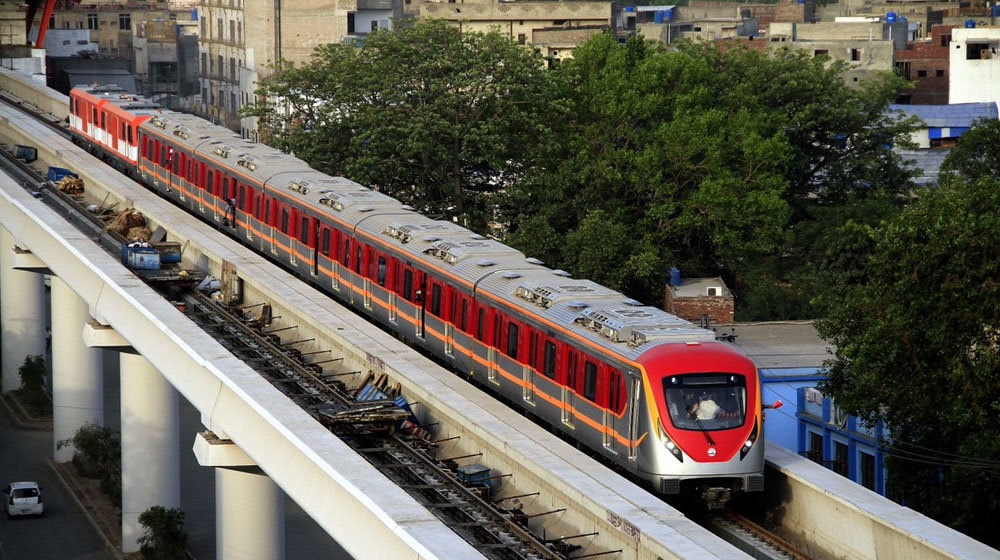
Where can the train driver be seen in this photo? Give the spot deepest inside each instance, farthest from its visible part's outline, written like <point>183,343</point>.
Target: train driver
<point>704,409</point>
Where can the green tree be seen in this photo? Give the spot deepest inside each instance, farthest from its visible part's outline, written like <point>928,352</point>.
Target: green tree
<point>437,117</point>
<point>98,451</point>
<point>163,536</point>
<point>32,392</point>
<point>918,347</point>
<point>705,158</point>
<point>976,154</point>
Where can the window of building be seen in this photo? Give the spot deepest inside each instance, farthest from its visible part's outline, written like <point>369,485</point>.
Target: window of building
<point>821,52</point>
<point>521,38</point>
<point>125,22</point>
<point>855,55</point>
<point>979,51</point>
<point>91,21</point>
<point>867,465</point>
<point>218,25</point>
<point>921,73</point>
<point>945,39</point>
<point>815,449</point>
<point>939,73</point>
<point>840,462</point>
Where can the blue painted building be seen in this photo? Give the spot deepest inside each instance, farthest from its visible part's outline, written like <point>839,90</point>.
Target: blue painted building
<point>942,126</point>
<point>790,358</point>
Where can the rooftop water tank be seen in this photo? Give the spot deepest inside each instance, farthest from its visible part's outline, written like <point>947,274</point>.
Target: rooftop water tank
<point>675,276</point>
<point>970,23</point>
<point>890,17</point>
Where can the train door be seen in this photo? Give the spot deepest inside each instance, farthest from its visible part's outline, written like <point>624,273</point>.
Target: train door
<point>270,209</point>
<point>634,392</point>
<point>568,387</point>
<point>615,387</point>
<point>314,229</point>
<point>368,272</point>
<point>421,305</point>
<point>528,370</point>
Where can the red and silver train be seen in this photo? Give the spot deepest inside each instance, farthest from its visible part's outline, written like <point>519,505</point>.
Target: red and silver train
<point>645,390</point>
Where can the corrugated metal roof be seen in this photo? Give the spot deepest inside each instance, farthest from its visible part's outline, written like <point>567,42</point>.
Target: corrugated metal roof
<point>957,115</point>
<point>88,76</point>
<point>927,162</point>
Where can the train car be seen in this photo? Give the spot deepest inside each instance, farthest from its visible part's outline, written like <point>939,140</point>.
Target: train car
<point>104,119</point>
<point>648,392</point>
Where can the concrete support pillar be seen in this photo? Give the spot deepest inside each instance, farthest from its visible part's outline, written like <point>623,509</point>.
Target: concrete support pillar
<point>249,507</point>
<point>22,313</point>
<point>249,516</point>
<point>150,454</point>
<point>77,371</point>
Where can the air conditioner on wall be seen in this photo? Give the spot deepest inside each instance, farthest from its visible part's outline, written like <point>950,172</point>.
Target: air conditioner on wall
<point>713,291</point>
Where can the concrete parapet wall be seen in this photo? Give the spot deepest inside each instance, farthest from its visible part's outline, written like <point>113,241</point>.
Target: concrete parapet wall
<point>846,520</point>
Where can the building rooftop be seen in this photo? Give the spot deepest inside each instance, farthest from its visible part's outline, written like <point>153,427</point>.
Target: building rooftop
<point>781,345</point>
<point>927,162</point>
<point>956,115</point>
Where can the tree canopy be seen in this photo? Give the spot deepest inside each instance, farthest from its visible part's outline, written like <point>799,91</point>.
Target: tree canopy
<point>701,158</point>
<point>918,347</point>
<point>437,117</point>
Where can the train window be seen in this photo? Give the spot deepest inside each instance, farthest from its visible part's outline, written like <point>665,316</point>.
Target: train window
<point>616,391</point>
<point>549,368</point>
<point>496,329</point>
<point>381,271</point>
<point>512,332</point>
<point>570,380</point>
<point>284,220</point>
<point>436,300</point>
<point>453,308</point>
<point>304,230</point>
<point>94,120</point>
<point>465,313</point>
<point>479,325</point>
<point>324,243</point>
<point>357,262</point>
<point>347,253</point>
<point>122,133</point>
<point>590,380</point>
<point>407,284</point>
<point>131,139</point>
<point>104,120</point>
<point>225,188</point>
<point>706,400</point>
<point>209,178</point>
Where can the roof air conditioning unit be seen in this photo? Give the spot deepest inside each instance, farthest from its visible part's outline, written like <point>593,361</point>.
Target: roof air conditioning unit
<point>713,291</point>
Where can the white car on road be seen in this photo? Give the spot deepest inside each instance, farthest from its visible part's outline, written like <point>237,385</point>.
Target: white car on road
<point>22,498</point>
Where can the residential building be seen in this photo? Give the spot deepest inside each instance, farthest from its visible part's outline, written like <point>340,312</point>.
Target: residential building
<point>925,62</point>
<point>974,65</point>
<point>864,45</point>
<point>555,28</point>
<point>790,359</point>
<point>941,127</point>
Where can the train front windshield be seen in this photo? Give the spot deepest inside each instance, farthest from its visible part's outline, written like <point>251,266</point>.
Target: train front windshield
<point>706,401</point>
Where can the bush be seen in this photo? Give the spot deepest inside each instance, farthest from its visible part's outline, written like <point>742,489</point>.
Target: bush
<point>98,455</point>
<point>163,536</point>
<point>32,392</point>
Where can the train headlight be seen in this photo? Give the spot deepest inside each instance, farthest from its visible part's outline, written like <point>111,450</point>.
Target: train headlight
<point>669,444</point>
<point>750,442</point>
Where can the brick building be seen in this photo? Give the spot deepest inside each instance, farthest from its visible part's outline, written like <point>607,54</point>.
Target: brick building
<point>925,63</point>
<point>703,301</point>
